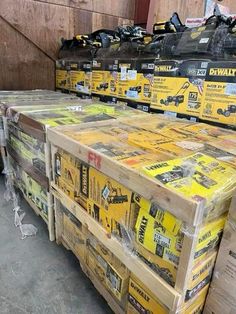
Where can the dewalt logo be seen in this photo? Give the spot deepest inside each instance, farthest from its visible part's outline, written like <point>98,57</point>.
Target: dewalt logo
<point>140,291</point>
<point>222,72</point>
<point>163,68</point>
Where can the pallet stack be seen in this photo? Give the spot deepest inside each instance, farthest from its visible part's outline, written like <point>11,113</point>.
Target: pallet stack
<point>142,203</point>
<point>221,297</point>
<point>29,150</point>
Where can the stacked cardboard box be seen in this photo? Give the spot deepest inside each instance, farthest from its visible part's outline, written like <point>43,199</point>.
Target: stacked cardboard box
<point>159,185</point>
<point>27,143</point>
<point>221,297</point>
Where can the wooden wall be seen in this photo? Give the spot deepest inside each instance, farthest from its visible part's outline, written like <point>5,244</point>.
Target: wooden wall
<point>163,9</point>
<point>31,31</point>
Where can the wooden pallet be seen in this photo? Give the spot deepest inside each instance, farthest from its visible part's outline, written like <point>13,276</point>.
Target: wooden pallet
<point>159,287</point>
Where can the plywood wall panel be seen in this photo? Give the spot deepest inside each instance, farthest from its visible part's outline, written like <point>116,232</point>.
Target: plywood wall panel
<point>43,23</point>
<point>104,21</point>
<point>22,65</point>
<point>163,9</point>
<point>121,8</point>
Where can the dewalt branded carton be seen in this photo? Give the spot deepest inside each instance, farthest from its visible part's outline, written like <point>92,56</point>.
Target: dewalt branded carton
<point>108,269</point>
<point>164,89</point>
<point>100,78</point>
<point>159,239</point>
<point>109,202</point>
<point>127,79</point>
<point>178,86</point>
<point>141,300</point>
<point>219,97</point>
<point>105,199</point>
<point>111,74</point>
<point>63,74</point>
<point>81,76</point>
<point>140,91</point>
<point>198,177</point>
<point>73,233</point>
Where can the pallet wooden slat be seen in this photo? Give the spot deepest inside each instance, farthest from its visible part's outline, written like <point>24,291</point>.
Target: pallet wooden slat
<point>168,295</point>
<point>183,208</point>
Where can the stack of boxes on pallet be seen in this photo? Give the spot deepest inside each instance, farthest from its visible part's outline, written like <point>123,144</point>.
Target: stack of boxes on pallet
<point>142,203</point>
<point>141,200</point>
<point>221,297</point>
<point>26,124</point>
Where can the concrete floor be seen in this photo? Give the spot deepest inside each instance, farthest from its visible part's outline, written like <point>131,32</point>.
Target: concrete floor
<point>36,275</point>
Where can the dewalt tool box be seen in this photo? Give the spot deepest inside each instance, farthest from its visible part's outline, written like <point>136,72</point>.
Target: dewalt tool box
<point>178,86</point>
<point>81,77</point>
<point>127,78</point>
<point>219,97</point>
<point>142,80</point>
<point>63,74</point>
<point>141,300</point>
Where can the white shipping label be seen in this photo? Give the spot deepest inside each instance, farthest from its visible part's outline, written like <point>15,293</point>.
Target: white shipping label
<point>132,75</point>
<point>230,89</point>
<point>204,40</point>
<point>123,73</point>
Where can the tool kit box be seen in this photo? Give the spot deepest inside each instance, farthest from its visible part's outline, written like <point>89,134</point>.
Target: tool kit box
<point>170,229</point>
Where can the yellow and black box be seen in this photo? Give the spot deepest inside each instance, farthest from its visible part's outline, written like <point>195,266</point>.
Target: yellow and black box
<point>63,74</point>
<point>127,78</point>
<point>159,239</point>
<point>80,76</point>
<point>141,300</point>
<point>108,269</point>
<point>140,89</point>
<point>178,86</point>
<point>219,96</point>
<point>106,200</point>
<point>74,234</point>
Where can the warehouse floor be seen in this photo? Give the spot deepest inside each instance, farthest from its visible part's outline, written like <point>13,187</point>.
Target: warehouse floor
<point>37,276</point>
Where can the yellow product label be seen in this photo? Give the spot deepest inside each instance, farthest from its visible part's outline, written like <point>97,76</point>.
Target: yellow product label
<point>141,300</point>
<point>197,177</point>
<point>177,94</point>
<point>62,79</point>
<point>219,102</point>
<point>114,278</point>
<point>109,202</point>
<point>74,235</point>
<point>77,81</point>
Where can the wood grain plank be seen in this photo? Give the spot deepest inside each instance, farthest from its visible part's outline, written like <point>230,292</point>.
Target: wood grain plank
<point>22,65</point>
<point>121,8</point>
<point>43,23</point>
<point>82,21</point>
<point>163,9</point>
<point>104,21</point>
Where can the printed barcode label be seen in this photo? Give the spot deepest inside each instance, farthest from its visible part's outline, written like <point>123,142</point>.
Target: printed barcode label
<point>230,89</point>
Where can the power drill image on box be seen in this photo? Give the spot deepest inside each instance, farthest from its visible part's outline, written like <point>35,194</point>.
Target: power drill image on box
<point>112,195</point>
<point>178,98</point>
<point>227,112</point>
